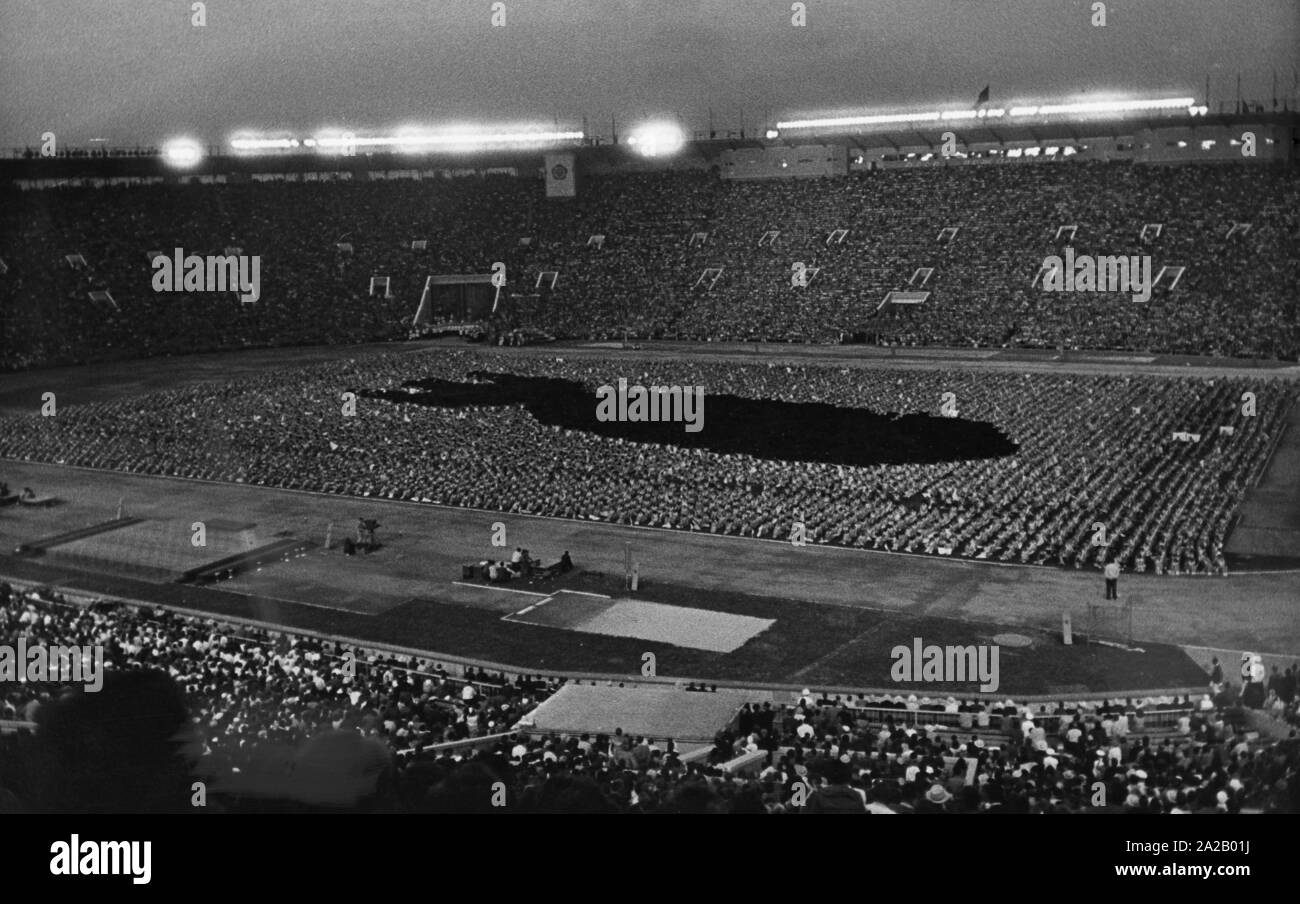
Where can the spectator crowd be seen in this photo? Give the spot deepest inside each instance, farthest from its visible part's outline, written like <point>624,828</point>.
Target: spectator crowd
<point>274,721</point>
<point>1092,450</point>
<point>630,254</point>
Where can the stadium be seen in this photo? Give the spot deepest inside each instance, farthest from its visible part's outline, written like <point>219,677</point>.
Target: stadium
<point>923,457</point>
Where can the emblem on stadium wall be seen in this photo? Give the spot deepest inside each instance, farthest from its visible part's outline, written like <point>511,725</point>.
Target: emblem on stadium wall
<point>559,172</point>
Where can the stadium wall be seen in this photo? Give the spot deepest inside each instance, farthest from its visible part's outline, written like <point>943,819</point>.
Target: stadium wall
<point>1188,144</point>
<point>807,161</point>
<point>1217,139</point>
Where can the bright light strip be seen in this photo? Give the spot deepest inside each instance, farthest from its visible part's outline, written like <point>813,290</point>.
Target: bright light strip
<point>857,121</point>
<point>1118,106</point>
<point>263,144</point>
<point>417,141</point>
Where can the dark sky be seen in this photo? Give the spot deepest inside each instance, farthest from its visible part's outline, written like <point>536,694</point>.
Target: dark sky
<point>136,70</point>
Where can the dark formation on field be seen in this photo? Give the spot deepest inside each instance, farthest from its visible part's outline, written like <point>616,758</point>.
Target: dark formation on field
<point>782,431</point>
<point>1090,449</point>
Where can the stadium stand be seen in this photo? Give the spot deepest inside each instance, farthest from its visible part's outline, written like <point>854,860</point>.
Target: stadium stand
<point>273,721</point>
<point>1235,297</point>
<point>682,255</point>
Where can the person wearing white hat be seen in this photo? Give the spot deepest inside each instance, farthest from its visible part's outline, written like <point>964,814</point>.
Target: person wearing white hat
<point>935,800</point>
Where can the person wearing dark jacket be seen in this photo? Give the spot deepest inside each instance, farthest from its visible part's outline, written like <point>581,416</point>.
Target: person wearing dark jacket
<point>836,796</point>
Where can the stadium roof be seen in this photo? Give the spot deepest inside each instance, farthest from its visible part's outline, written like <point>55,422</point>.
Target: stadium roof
<point>1000,131</point>
<point>597,157</point>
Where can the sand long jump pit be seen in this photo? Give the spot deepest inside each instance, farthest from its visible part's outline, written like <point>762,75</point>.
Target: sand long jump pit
<point>653,712</point>
<point>697,629</point>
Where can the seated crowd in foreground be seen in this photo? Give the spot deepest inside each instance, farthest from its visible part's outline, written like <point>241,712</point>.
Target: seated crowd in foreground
<point>1236,297</point>
<point>271,721</point>
<point>1092,449</point>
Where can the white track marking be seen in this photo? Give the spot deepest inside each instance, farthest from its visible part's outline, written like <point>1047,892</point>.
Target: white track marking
<point>506,589</point>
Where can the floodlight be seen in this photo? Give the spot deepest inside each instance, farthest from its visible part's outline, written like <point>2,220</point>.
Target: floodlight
<point>657,139</point>
<point>182,153</point>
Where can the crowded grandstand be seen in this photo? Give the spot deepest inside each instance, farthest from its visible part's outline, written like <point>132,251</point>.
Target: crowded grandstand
<point>869,454</point>
<point>275,721</point>
<point>671,254</point>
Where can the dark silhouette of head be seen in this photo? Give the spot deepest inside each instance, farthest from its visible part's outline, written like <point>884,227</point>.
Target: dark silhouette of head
<point>124,749</point>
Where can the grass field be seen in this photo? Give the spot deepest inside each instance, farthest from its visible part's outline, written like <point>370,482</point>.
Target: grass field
<point>835,613</point>
<point>806,644</point>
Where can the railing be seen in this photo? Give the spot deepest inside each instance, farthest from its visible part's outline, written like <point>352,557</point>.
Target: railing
<point>745,764</point>
<point>451,746</point>
<point>698,755</point>
<point>1151,718</point>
